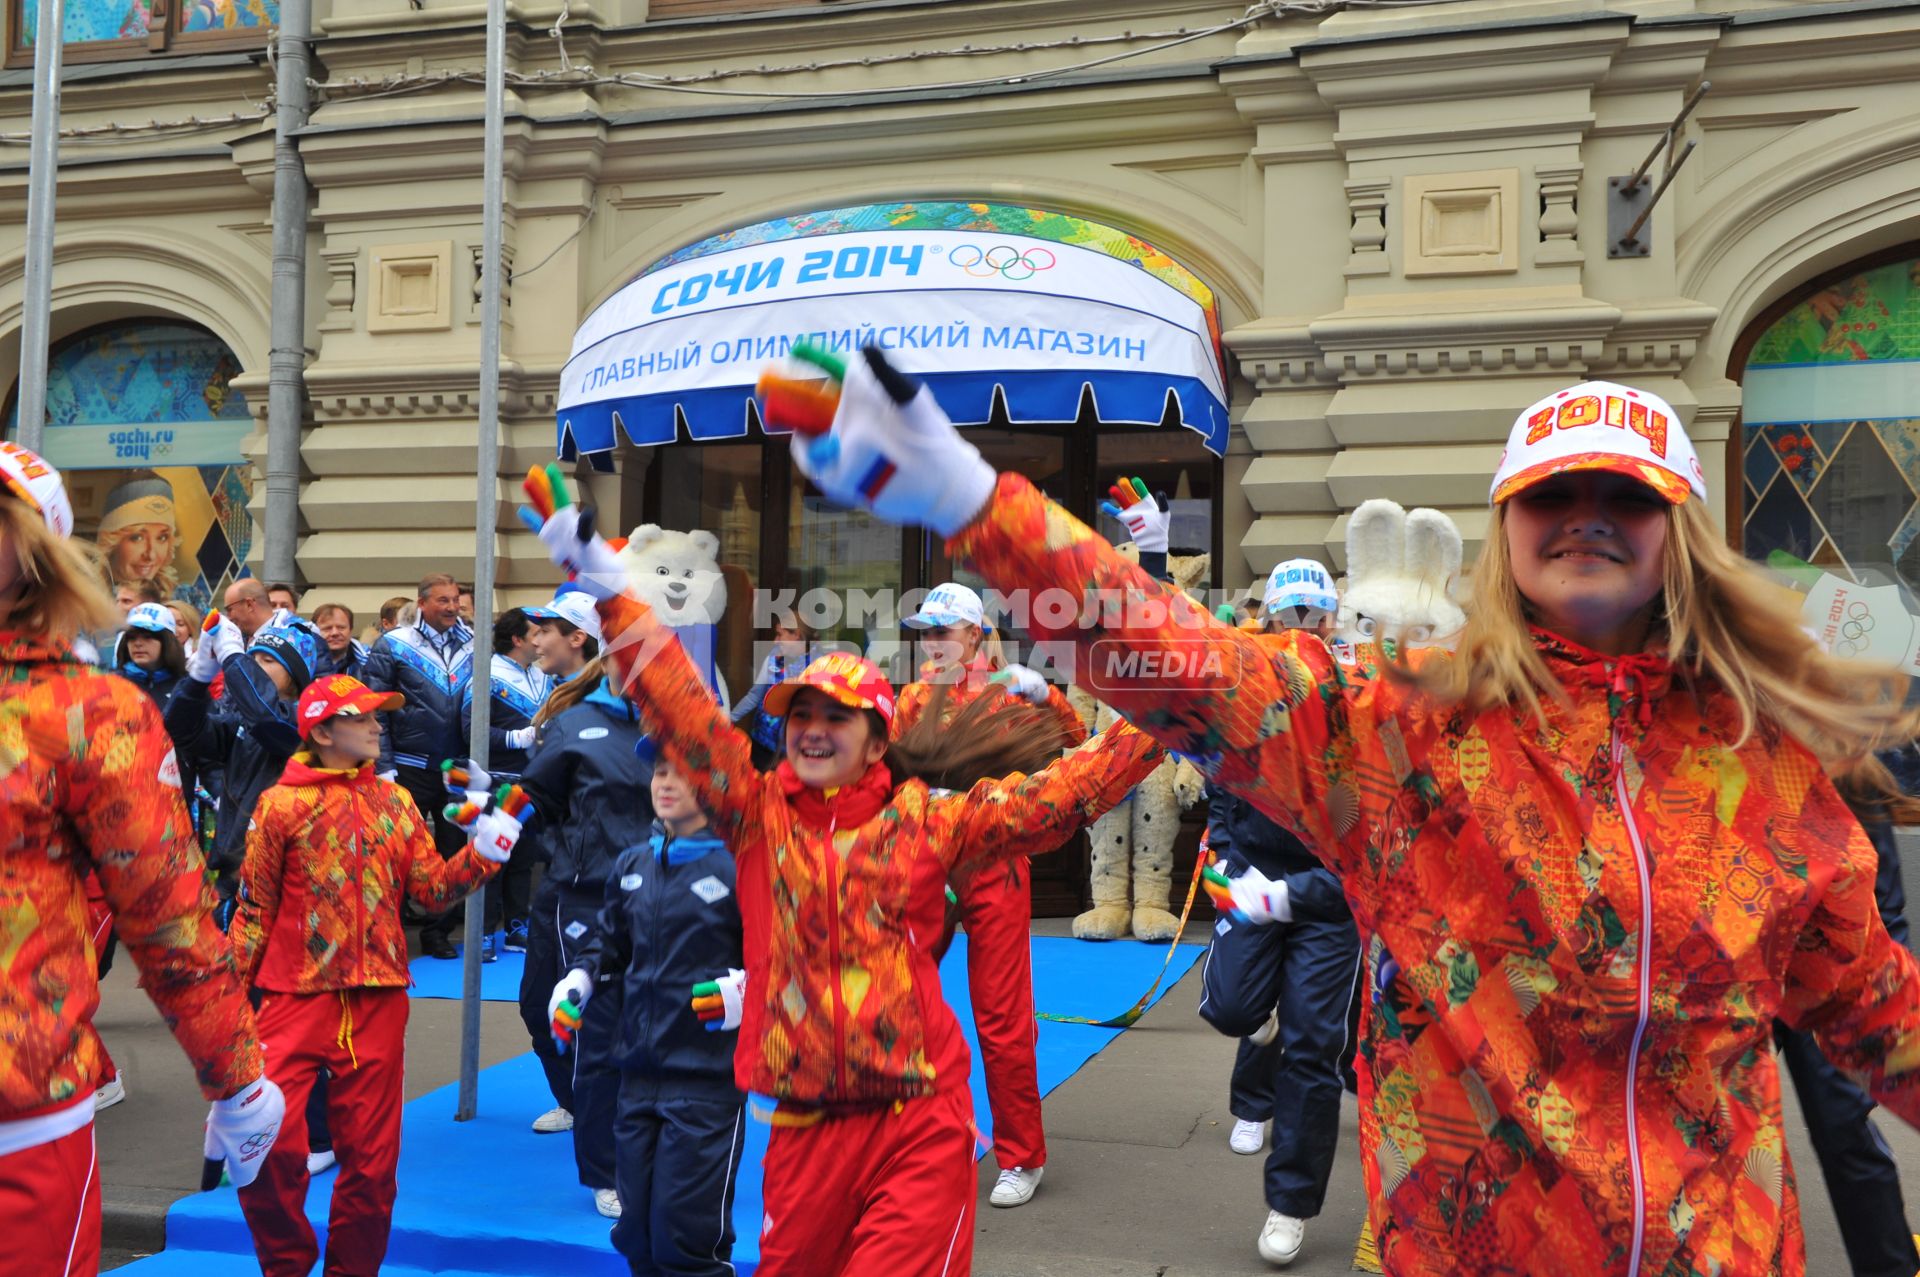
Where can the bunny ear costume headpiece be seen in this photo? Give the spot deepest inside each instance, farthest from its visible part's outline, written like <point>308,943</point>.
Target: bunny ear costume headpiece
<point>1600,425</point>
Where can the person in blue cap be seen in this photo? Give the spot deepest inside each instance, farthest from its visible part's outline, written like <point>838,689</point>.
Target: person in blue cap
<point>590,796</point>
<point>148,653</point>
<point>1287,991</point>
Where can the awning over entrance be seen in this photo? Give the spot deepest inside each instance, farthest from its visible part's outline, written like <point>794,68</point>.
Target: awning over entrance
<point>984,300</point>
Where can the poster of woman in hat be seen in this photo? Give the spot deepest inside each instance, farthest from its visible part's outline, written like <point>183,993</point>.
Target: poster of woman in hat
<point>139,532</point>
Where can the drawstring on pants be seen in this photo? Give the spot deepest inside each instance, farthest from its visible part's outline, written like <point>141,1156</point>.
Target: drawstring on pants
<point>345,1036</point>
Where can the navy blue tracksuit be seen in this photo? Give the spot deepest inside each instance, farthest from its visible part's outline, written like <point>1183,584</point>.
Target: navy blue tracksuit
<point>670,922</point>
<point>591,798</point>
<point>1863,1181</point>
<point>1308,969</point>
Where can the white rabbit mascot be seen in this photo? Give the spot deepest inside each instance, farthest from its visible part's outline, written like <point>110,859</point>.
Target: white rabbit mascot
<point>1401,567</point>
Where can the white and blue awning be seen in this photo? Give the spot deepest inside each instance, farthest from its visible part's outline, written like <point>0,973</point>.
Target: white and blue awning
<point>982,300</point>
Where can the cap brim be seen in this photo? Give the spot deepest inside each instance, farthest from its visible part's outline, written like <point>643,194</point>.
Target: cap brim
<point>1668,484</point>
<point>927,620</point>
<point>780,696</point>
<point>369,702</point>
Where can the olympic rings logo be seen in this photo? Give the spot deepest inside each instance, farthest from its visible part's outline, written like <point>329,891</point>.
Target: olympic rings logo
<point>1004,260</point>
<point>1854,631</point>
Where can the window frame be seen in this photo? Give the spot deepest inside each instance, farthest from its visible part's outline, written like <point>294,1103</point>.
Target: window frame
<point>1735,475</point>
<point>161,40</point>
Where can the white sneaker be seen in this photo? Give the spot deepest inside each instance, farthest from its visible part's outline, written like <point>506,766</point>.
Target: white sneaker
<point>321,1161</point>
<point>607,1202</point>
<point>109,1094</point>
<point>552,1122</point>
<point>1267,1031</point>
<point>1280,1240</point>
<point>1248,1137</point>
<point>1015,1187</point>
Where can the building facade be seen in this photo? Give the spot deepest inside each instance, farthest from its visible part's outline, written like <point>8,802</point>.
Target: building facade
<point>1400,213</point>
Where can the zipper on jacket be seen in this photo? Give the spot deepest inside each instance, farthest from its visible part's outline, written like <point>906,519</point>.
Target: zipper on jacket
<point>645,1040</point>
<point>1644,999</point>
<point>833,954</point>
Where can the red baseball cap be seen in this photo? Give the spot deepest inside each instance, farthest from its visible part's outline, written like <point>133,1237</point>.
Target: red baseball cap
<point>852,680</point>
<point>342,694</point>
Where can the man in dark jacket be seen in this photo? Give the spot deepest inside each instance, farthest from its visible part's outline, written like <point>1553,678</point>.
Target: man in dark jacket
<point>430,663</point>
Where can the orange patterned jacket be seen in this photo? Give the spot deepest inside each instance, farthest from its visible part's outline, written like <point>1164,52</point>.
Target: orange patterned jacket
<point>329,856</point>
<point>844,1005</point>
<point>88,781</point>
<point>1585,927</point>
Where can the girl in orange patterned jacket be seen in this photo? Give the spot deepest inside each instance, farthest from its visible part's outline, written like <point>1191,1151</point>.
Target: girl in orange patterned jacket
<point>89,784</point>
<point>1596,848</point>
<point>841,871</point>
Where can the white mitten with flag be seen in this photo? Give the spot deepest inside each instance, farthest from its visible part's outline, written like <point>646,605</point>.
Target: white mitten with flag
<point>892,449</point>
<point>241,1129</point>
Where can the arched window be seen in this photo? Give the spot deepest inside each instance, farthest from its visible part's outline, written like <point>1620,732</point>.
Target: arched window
<point>1830,461</point>
<point>144,422</point>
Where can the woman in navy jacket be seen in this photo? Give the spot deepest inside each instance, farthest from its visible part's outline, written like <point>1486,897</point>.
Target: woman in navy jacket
<point>590,801</point>
<point>670,930</point>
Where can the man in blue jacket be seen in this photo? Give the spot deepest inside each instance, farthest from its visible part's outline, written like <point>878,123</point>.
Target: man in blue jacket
<point>518,688</point>
<point>430,663</point>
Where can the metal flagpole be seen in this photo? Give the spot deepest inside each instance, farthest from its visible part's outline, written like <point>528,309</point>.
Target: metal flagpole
<point>43,170</point>
<point>486,513</point>
<point>287,351</point>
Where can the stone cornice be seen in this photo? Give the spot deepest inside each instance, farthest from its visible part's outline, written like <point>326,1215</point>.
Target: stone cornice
<point>1573,336</point>
<point>437,391</point>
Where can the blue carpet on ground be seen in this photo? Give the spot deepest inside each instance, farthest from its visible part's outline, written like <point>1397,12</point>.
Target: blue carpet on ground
<point>441,978</point>
<point>489,1196</point>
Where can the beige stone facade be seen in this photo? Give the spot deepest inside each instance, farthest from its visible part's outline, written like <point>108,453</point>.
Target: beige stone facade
<point>1402,211</point>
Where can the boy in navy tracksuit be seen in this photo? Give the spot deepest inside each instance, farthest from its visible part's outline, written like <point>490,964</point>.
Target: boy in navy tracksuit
<point>670,932</point>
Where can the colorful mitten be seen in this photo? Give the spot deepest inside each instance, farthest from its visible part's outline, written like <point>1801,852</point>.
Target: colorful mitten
<point>718,1002</point>
<point>1022,682</point>
<point>806,405</point>
<point>567,531</point>
<point>1145,515</point>
<point>567,1005</point>
<point>1252,897</point>
<point>892,450</point>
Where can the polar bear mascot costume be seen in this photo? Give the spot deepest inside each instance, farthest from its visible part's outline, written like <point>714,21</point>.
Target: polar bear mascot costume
<point>679,576</point>
<point>1132,877</point>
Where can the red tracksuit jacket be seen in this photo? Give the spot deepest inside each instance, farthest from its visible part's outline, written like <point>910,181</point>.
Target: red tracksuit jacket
<point>842,896</point>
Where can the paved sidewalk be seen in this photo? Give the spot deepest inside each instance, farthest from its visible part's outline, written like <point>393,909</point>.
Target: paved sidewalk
<point>1140,1181</point>
<point>150,1143</point>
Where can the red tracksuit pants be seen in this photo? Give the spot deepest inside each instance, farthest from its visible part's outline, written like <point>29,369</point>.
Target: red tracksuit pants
<point>50,1208</point>
<point>996,906</point>
<point>358,1036</point>
<point>881,1193</point>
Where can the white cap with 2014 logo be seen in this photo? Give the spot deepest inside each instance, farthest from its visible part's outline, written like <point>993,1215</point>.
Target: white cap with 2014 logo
<point>949,603</point>
<point>1601,425</point>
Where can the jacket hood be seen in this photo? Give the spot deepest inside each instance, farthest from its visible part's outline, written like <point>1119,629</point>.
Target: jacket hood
<point>682,850</point>
<point>603,696</point>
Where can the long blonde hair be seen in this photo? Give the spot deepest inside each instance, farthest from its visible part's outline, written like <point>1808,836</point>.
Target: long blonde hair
<point>61,590</point>
<point>1724,621</point>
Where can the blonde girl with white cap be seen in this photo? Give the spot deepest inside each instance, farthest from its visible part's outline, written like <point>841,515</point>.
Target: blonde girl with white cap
<point>1598,848</point>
